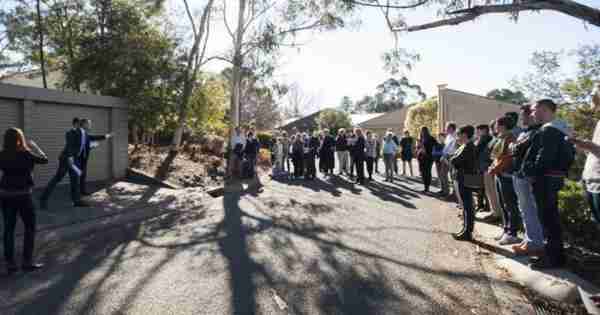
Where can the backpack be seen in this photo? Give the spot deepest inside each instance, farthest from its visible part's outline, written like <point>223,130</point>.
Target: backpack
<point>566,153</point>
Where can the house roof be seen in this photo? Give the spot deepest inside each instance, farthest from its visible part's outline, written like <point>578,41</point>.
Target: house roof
<point>358,119</point>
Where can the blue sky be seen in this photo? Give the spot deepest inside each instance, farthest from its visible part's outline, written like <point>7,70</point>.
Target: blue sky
<point>475,56</point>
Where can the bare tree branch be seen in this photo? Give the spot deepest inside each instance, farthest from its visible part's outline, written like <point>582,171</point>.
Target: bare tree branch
<point>225,21</point>
<point>189,14</point>
<point>254,44</point>
<point>255,16</point>
<point>206,36</point>
<point>568,7</point>
<point>376,4</point>
<point>221,58</point>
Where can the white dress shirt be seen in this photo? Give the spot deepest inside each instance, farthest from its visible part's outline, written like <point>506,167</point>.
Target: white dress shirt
<point>449,145</point>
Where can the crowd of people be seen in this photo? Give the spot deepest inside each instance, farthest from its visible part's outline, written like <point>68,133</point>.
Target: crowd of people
<point>512,168</point>
<point>358,154</point>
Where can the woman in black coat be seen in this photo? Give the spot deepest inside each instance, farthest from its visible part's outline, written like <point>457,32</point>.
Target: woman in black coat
<point>359,156</point>
<point>328,153</point>
<point>298,156</point>
<point>16,186</point>
<point>465,162</point>
<point>425,156</point>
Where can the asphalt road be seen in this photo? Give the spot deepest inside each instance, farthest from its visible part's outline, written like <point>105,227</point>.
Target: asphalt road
<point>299,247</point>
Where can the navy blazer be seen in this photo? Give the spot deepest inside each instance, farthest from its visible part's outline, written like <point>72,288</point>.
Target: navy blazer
<point>72,144</point>
<point>88,144</point>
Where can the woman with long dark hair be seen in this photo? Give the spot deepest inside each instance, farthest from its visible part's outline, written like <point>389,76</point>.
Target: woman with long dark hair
<point>16,186</point>
<point>425,156</point>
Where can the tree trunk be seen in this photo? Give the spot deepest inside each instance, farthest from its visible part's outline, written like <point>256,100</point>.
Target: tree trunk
<point>135,134</point>
<point>75,85</point>
<point>41,43</point>
<point>236,75</point>
<point>191,71</point>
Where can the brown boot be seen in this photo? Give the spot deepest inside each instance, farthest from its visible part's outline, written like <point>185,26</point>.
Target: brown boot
<point>525,250</point>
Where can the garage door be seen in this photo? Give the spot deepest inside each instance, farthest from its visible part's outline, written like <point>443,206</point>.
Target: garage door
<point>10,116</point>
<point>52,121</point>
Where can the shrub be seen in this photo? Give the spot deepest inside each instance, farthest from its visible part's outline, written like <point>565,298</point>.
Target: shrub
<point>265,139</point>
<point>575,215</point>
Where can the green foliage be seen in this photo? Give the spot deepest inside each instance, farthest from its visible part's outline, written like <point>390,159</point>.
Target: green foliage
<point>392,94</point>
<point>546,79</point>
<point>507,95</point>
<point>208,106</point>
<point>582,119</point>
<point>265,139</point>
<point>575,216</point>
<point>346,105</point>
<point>136,62</point>
<point>333,120</point>
<point>423,114</point>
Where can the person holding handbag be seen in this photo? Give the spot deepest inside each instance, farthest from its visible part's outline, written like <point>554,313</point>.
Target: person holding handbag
<point>16,186</point>
<point>465,163</point>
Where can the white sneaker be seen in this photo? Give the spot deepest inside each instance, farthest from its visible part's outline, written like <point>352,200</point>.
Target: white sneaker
<point>509,240</point>
<point>499,237</point>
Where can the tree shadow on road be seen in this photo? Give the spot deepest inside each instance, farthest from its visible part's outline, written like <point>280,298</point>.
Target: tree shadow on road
<point>334,185</point>
<point>318,271</point>
<point>392,194</point>
<point>82,267</point>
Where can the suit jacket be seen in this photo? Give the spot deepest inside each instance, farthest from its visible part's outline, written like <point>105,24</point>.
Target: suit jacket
<point>72,144</point>
<point>88,145</point>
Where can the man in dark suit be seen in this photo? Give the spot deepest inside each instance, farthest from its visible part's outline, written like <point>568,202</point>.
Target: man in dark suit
<point>88,139</point>
<point>68,162</point>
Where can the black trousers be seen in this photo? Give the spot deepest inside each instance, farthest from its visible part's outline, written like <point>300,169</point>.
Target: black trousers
<point>370,163</point>
<point>23,207</point>
<point>545,190</point>
<point>466,195</point>
<point>509,205</point>
<point>75,181</point>
<point>425,166</point>
<point>310,169</point>
<point>298,166</point>
<point>360,168</point>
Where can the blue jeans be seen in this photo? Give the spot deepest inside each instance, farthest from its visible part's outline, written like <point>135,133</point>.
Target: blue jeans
<point>534,234</point>
<point>594,200</point>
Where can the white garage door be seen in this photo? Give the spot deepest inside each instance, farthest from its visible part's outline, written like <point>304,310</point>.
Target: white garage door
<point>50,124</point>
<point>10,116</point>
